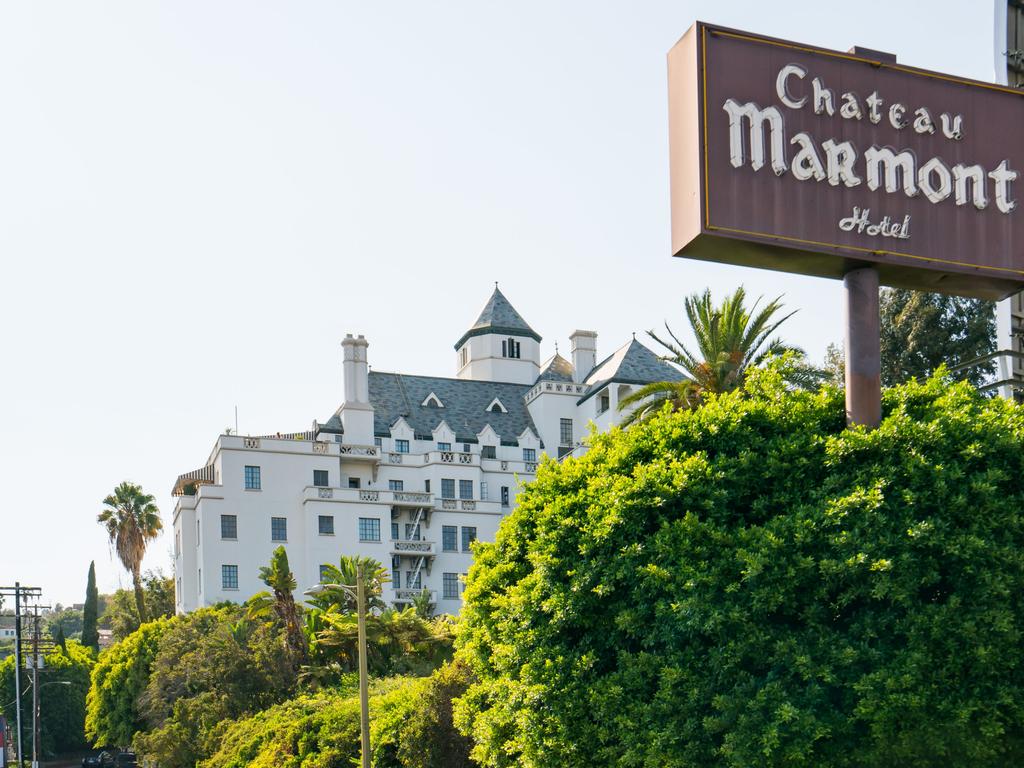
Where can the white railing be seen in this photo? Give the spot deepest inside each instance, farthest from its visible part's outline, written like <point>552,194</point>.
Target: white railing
<point>407,595</point>
<point>412,497</point>
<point>320,447</point>
<point>449,504</point>
<point>325,493</point>
<point>369,451</point>
<point>413,546</point>
<point>369,495</point>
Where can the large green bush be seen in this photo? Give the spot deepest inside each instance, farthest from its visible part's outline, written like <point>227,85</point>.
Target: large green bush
<point>410,727</point>
<point>120,676</point>
<point>752,584</point>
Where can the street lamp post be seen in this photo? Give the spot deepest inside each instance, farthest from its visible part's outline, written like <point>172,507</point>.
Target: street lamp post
<point>364,685</point>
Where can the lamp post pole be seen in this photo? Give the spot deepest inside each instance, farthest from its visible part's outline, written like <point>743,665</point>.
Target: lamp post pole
<point>364,696</point>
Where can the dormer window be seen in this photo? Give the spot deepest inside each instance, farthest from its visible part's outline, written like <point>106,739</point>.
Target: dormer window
<point>510,348</point>
<point>496,406</point>
<point>432,401</point>
<point>604,402</point>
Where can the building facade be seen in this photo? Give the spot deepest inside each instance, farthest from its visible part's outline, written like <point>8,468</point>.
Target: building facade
<point>410,470</point>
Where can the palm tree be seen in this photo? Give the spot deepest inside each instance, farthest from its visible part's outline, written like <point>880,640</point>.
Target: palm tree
<point>280,602</point>
<point>132,520</point>
<point>344,573</point>
<point>730,340</point>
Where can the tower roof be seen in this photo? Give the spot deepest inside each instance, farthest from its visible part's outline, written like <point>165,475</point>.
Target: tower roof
<point>632,363</point>
<point>500,317</point>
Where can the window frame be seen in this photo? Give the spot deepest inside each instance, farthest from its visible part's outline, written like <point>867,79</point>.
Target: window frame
<point>370,525</point>
<point>449,580</point>
<point>321,474</point>
<point>253,477</point>
<point>275,523</point>
<point>234,525</point>
<point>468,537</point>
<point>320,525</point>
<point>401,446</point>
<point>453,530</point>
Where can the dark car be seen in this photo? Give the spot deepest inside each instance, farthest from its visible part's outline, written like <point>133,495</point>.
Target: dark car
<point>124,760</point>
<point>91,761</point>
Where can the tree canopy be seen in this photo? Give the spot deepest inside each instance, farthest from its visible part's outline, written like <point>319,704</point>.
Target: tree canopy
<point>751,583</point>
<point>921,331</point>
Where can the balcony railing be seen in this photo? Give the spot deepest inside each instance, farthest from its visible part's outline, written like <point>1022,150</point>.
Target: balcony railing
<point>412,499</point>
<point>413,547</point>
<point>407,595</point>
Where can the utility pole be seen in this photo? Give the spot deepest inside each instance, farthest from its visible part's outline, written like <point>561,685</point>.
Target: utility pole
<point>364,698</point>
<point>35,689</point>
<point>17,662</point>
<point>19,592</point>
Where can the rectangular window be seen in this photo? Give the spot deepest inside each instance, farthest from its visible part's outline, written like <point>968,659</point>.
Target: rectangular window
<point>510,348</point>
<point>450,586</point>
<point>378,442</point>
<point>401,446</point>
<point>447,488</point>
<point>396,578</point>
<point>604,403</point>
<point>412,532</point>
<point>450,538</point>
<point>229,526</point>
<point>325,574</point>
<point>483,490</point>
<point>200,579</point>
<point>252,478</point>
<point>504,495</point>
<point>369,529</point>
<point>426,486</point>
<point>320,478</point>
<point>394,531</point>
<point>396,485</point>
<point>353,482</point>
<point>326,525</point>
<point>488,452</point>
<point>279,529</point>
<point>465,489</point>
<point>396,560</point>
<point>444,446</point>
<point>198,529</point>
<point>529,454</point>
<point>565,431</point>
<point>229,577</point>
<point>465,448</point>
<point>413,583</point>
<point>468,537</point>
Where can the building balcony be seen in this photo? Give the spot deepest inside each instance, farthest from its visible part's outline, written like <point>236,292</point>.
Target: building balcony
<point>413,547</point>
<point>367,453</point>
<point>469,505</point>
<point>405,499</point>
<point>455,458</point>
<point>509,465</point>
<point>407,595</point>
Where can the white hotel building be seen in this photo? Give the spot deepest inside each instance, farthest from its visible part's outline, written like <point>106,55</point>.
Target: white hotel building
<point>409,470</point>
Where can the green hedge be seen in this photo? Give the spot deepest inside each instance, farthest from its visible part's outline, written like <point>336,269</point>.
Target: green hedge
<point>751,584</point>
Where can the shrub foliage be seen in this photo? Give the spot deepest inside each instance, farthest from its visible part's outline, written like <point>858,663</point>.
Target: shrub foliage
<point>750,583</point>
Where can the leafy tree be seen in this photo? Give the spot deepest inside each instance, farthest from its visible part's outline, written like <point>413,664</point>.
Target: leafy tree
<point>64,681</point>
<point>280,603</point>
<point>121,614</point>
<point>731,339</point>
<point>131,519</point>
<point>211,666</point>
<point>751,583</point>
<point>120,676</point>
<point>921,331</point>
<point>90,635</point>
<point>67,620</point>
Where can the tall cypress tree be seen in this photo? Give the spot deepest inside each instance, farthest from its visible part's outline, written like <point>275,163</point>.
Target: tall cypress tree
<point>90,635</point>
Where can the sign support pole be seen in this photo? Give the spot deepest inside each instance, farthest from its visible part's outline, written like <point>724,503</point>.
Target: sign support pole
<point>863,348</point>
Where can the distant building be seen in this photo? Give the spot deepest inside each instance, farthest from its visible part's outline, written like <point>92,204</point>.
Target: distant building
<point>410,470</point>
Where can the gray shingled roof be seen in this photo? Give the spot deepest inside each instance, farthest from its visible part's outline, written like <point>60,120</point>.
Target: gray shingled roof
<point>632,363</point>
<point>395,395</point>
<point>499,316</point>
<point>556,369</point>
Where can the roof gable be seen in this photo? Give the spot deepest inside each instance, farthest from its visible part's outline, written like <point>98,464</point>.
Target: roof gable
<point>632,363</point>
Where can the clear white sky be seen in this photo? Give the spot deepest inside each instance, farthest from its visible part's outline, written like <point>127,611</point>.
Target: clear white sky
<point>199,199</point>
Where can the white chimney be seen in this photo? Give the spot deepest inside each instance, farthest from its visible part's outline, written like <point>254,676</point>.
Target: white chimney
<point>356,413</point>
<point>583,345</point>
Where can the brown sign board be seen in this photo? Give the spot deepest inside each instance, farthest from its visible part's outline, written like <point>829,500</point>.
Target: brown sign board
<point>802,159</point>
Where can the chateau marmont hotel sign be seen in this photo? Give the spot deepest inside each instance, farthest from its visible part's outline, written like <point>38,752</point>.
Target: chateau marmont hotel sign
<point>801,159</point>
